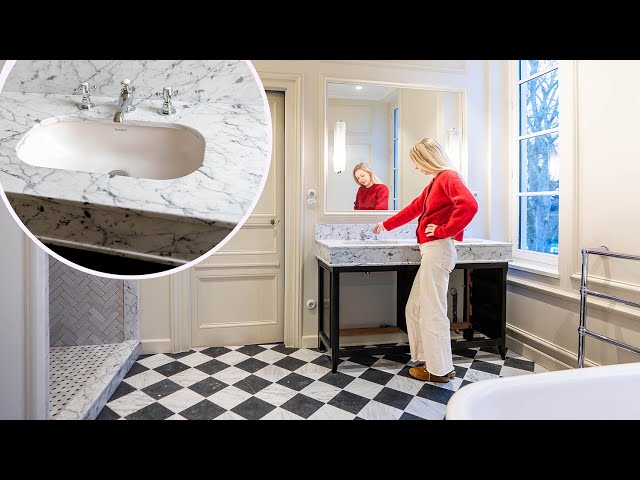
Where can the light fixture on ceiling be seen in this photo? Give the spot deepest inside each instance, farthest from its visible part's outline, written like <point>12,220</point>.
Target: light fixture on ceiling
<point>358,87</point>
<point>339,146</point>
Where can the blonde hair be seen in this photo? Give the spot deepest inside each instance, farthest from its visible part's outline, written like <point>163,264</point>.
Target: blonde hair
<point>429,154</point>
<point>364,167</point>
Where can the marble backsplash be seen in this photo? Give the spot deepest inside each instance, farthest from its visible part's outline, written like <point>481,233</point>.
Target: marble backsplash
<point>201,81</point>
<point>361,231</point>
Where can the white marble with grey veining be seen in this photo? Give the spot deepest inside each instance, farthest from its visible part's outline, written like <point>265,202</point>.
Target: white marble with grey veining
<point>131,330</point>
<point>349,244</point>
<point>199,81</point>
<point>361,231</point>
<point>157,238</point>
<point>89,401</point>
<point>219,99</point>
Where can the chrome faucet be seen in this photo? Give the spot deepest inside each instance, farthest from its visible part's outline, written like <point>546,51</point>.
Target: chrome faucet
<point>86,103</point>
<point>167,106</point>
<point>125,102</point>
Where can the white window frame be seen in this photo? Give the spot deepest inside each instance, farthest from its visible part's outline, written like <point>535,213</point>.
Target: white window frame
<point>395,140</point>
<point>545,262</point>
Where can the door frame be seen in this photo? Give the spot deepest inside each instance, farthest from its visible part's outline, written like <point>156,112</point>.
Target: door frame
<point>181,285</point>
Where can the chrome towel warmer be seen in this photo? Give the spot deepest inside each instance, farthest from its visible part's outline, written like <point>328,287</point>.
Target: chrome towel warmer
<point>582,330</point>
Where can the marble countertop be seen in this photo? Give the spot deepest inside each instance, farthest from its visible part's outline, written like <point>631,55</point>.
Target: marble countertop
<point>355,245</point>
<point>211,200</point>
<point>221,190</point>
<point>402,242</point>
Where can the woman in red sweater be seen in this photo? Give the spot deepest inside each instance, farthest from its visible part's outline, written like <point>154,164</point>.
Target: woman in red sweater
<point>444,209</point>
<point>372,194</point>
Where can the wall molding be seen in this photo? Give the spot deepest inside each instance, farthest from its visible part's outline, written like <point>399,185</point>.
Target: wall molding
<point>182,283</point>
<point>309,341</point>
<point>180,311</point>
<point>156,345</point>
<point>291,85</point>
<point>542,352</point>
<point>596,303</point>
<point>605,282</point>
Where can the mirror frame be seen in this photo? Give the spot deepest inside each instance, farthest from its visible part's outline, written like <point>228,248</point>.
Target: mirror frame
<point>374,216</point>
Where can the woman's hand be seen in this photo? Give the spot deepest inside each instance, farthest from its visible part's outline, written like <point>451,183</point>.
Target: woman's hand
<point>379,227</point>
<point>430,229</point>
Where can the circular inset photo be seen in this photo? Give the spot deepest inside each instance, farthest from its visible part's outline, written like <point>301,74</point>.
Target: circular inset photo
<point>132,168</point>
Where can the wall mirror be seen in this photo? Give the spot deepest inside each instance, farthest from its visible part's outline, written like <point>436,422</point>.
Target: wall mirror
<point>377,125</point>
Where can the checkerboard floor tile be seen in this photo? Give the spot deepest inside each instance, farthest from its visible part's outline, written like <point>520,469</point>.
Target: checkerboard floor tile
<point>274,382</point>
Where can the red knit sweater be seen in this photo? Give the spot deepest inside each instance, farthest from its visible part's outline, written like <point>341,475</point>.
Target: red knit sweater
<point>445,202</point>
<point>376,197</point>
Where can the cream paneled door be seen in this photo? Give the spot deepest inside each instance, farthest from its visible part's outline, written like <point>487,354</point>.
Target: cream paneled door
<point>237,293</point>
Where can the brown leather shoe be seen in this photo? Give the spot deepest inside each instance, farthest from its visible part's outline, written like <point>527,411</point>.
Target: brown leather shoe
<point>421,373</point>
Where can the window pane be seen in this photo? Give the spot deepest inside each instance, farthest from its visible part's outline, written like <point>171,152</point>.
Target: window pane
<point>539,223</point>
<point>531,67</point>
<point>540,163</point>
<point>395,188</point>
<point>539,103</point>
<point>395,123</point>
<point>395,153</point>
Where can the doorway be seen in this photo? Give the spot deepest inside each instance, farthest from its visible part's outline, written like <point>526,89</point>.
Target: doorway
<point>238,292</point>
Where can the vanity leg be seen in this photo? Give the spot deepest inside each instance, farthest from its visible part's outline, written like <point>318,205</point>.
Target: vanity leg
<point>320,306</point>
<point>404,283</point>
<point>335,320</point>
<point>503,311</point>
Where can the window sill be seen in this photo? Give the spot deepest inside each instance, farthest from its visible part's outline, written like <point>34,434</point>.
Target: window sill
<point>535,267</point>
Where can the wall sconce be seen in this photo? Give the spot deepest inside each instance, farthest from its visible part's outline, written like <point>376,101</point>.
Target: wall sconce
<point>453,147</point>
<point>339,146</point>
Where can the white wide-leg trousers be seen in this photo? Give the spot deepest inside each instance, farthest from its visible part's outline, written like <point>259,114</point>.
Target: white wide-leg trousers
<point>426,311</point>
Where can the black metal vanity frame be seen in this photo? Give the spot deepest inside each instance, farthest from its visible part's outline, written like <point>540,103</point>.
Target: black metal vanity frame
<point>484,303</point>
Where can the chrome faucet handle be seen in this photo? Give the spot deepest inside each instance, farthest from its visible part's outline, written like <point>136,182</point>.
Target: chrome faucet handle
<point>126,85</point>
<point>167,106</point>
<point>86,103</point>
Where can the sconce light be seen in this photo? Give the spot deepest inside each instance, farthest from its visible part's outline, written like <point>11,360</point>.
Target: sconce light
<point>339,146</point>
<point>453,147</point>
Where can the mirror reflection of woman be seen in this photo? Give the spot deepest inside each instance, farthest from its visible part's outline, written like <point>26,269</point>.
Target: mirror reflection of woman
<point>372,194</point>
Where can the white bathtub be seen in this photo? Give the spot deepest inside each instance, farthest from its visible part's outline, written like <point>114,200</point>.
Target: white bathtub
<point>607,392</point>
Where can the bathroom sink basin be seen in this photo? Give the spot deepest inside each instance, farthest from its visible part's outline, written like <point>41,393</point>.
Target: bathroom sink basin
<point>137,149</point>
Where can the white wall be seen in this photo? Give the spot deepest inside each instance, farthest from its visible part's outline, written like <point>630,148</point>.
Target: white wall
<point>469,75</point>
<point>599,205</point>
<point>13,369</point>
<point>154,314</point>
<point>13,364</point>
<point>418,112</point>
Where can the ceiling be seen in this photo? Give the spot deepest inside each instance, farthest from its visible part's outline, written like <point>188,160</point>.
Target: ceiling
<point>348,90</point>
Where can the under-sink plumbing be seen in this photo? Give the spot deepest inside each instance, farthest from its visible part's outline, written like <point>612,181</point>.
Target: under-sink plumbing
<point>125,102</point>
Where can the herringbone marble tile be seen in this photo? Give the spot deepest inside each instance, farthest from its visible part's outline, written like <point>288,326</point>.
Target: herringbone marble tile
<point>84,309</point>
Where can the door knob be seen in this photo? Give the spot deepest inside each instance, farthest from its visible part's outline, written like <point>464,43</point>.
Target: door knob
<point>273,221</point>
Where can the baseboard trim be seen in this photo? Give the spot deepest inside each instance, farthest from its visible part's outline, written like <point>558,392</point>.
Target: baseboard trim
<point>310,341</point>
<point>542,352</point>
<point>158,345</point>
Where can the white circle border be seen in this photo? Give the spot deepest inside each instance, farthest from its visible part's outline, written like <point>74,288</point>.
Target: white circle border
<point>4,73</point>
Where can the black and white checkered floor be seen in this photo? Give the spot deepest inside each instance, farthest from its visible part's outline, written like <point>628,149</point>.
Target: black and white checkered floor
<point>275,382</point>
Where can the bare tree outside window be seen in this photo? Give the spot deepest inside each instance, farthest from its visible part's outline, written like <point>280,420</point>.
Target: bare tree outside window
<point>539,156</point>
